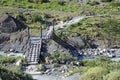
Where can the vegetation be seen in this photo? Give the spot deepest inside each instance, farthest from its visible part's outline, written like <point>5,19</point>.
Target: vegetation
<point>5,60</point>
<point>6,74</point>
<point>95,73</point>
<point>41,67</point>
<point>55,65</point>
<point>98,69</point>
<point>9,71</point>
<point>115,4</point>
<point>37,11</point>
<point>104,29</point>
<point>115,75</point>
<point>57,57</point>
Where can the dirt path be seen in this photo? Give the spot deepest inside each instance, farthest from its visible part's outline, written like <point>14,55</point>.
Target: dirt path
<point>74,20</point>
<point>50,77</point>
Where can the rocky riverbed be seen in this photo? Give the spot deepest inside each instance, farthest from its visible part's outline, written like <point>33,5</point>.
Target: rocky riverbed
<point>57,73</point>
<point>100,52</point>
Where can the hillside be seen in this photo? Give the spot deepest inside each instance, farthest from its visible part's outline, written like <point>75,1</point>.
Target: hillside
<point>80,39</point>
<point>36,13</point>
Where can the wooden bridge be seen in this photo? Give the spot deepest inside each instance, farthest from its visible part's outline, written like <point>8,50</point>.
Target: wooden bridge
<point>35,45</point>
<point>34,52</point>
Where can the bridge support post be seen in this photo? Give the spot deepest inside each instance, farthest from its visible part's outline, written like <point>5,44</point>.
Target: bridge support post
<point>41,32</point>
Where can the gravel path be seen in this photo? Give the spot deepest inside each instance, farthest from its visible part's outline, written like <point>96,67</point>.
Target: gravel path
<point>54,75</point>
<point>50,77</point>
<point>74,20</point>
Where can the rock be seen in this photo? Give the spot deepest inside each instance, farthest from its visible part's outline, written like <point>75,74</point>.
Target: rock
<point>47,71</point>
<point>53,70</point>
<point>18,63</point>
<point>11,50</point>
<point>9,24</point>
<point>62,62</point>
<point>76,42</point>
<point>13,34</point>
<point>63,71</point>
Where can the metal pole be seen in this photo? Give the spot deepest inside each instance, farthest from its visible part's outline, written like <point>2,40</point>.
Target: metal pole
<point>40,31</point>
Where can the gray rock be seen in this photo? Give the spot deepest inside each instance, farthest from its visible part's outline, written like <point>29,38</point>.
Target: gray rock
<point>76,42</point>
<point>13,34</point>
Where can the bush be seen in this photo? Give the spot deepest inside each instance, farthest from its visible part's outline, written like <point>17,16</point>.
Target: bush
<point>95,73</point>
<point>41,67</point>
<point>5,60</point>
<point>24,62</point>
<point>115,4</point>
<point>2,2</point>
<point>89,63</point>
<point>6,74</point>
<point>66,57</point>
<point>55,65</point>
<point>77,70</point>
<point>36,18</point>
<point>112,26</point>
<point>21,17</point>
<point>113,76</point>
<point>57,57</point>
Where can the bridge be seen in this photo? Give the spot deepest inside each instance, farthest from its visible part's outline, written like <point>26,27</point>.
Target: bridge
<point>33,54</point>
<point>35,44</point>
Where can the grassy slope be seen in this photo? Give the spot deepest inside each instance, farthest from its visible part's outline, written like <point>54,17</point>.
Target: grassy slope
<point>61,12</point>
<point>98,28</point>
<point>69,6</point>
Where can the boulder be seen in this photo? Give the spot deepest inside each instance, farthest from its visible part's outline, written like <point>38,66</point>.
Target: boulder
<point>77,42</point>
<point>14,35</point>
<point>9,24</point>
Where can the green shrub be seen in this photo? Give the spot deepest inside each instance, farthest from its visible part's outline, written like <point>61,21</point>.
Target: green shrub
<point>2,2</point>
<point>112,26</point>
<point>77,70</point>
<point>6,74</point>
<point>66,57</point>
<point>41,67</point>
<point>21,17</point>
<point>89,63</point>
<point>55,65</point>
<point>56,57</point>
<point>36,18</point>
<point>115,4</point>
<point>113,76</point>
<point>96,73</point>
<point>5,60</point>
<point>24,62</point>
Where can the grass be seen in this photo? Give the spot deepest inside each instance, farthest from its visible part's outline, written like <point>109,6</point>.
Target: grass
<point>9,71</point>
<point>115,75</point>
<point>77,70</point>
<point>101,68</point>
<point>98,28</point>
<point>54,6</point>
<point>54,9</point>
<point>95,73</point>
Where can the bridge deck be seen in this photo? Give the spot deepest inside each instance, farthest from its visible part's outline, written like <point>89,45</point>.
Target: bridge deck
<point>34,52</point>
